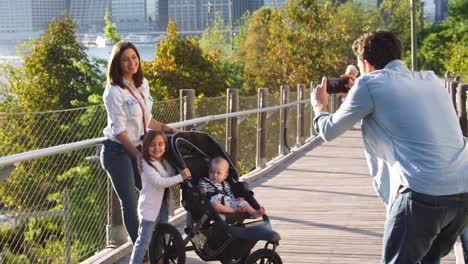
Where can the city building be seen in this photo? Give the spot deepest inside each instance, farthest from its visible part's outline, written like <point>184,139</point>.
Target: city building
<point>193,16</point>
<point>162,14</point>
<point>15,16</point>
<point>188,14</point>
<point>441,10</point>
<point>274,3</point>
<point>43,11</point>
<point>89,14</point>
<point>130,15</point>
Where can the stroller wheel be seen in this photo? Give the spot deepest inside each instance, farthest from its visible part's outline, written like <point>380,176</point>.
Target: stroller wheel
<point>166,245</point>
<point>264,256</point>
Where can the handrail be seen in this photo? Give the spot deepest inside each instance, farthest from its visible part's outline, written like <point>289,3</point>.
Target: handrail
<point>35,154</point>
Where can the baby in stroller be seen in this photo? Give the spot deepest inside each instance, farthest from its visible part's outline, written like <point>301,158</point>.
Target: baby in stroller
<point>219,191</point>
<point>215,235</point>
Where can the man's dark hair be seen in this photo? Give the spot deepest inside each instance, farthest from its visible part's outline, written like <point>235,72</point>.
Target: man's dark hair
<point>378,48</point>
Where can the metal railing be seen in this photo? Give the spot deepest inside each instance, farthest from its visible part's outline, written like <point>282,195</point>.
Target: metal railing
<point>56,203</point>
<point>458,93</point>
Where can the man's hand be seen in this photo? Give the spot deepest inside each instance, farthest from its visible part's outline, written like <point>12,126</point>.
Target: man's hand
<point>320,97</point>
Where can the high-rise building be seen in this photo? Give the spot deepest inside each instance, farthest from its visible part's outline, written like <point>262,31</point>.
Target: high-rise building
<point>274,3</point>
<point>441,10</point>
<point>43,11</point>
<point>129,15</point>
<point>163,14</point>
<point>187,14</point>
<point>193,16</point>
<point>15,16</point>
<point>211,8</point>
<point>255,4</point>
<point>89,14</point>
<point>239,7</point>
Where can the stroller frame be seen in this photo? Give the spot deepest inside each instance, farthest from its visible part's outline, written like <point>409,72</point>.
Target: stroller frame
<point>213,236</point>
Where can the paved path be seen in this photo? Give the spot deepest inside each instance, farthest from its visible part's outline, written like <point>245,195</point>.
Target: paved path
<point>324,207</point>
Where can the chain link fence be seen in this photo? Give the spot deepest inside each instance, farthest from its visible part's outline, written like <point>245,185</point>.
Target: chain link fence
<point>55,209</point>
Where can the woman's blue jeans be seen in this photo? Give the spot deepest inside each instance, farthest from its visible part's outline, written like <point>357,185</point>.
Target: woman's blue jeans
<point>423,228</point>
<point>123,173</point>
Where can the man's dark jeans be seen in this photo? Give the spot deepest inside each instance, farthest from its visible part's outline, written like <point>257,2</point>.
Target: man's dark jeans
<point>423,228</point>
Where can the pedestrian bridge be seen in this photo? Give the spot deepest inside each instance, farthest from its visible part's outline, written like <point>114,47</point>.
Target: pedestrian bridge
<point>322,203</point>
<point>57,206</point>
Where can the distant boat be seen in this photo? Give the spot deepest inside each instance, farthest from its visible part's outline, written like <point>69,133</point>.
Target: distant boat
<point>101,42</point>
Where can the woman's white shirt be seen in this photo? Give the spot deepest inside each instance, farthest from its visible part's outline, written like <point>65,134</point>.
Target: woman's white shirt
<point>124,112</point>
<point>154,181</point>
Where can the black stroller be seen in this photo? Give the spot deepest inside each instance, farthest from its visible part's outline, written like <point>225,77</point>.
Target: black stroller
<point>227,238</point>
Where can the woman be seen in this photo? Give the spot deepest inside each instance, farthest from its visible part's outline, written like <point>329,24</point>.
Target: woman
<point>128,105</point>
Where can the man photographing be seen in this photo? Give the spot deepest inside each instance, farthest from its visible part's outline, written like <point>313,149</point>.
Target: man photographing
<point>415,150</point>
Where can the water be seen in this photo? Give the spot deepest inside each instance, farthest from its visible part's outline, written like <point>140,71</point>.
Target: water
<point>8,52</point>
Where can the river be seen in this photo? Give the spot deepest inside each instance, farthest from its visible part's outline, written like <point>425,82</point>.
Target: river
<point>8,52</point>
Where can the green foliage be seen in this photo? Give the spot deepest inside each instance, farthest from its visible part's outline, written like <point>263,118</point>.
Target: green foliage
<point>214,40</point>
<point>289,46</point>
<point>181,64</point>
<point>110,30</point>
<point>349,17</point>
<point>444,47</point>
<point>56,71</point>
<point>56,74</point>
<point>397,18</point>
<point>254,50</point>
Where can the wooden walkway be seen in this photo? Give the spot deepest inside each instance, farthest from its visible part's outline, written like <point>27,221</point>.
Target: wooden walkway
<point>323,205</point>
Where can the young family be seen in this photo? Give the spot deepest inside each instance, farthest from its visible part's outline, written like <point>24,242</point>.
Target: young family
<point>134,155</point>
<point>415,151</point>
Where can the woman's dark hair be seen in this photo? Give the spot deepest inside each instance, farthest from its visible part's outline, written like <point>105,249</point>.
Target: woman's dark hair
<point>378,48</point>
<point>114,71</point>
<point>147,139</point>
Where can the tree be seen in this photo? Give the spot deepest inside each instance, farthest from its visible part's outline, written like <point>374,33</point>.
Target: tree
<point>110,30</point>
<point>214,43</point>
<point>444,46</point>
<point>181,64</point>
<point>214,40</point>
<point>397,18</point>
<point>289,46</point>
<point>56,71</point>
<point>56,74</point>
<point>253,52</point>
<point>354,19</point>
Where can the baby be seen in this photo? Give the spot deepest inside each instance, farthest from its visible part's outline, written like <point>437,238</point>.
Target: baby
<point>222,198</point>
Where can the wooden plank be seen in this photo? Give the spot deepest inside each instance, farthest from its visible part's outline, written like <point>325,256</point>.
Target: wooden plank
<point>324,207</point>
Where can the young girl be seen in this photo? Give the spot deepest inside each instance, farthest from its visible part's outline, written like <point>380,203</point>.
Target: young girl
<point>156,200</point>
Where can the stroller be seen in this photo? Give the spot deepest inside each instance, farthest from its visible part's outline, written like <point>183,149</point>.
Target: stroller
<point>227,238</point>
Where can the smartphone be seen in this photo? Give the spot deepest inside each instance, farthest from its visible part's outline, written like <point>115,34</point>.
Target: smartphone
<point>337,85</point>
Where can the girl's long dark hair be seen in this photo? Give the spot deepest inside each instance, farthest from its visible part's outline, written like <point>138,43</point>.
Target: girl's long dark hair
<point>114,71</point>
<point>147,139</point>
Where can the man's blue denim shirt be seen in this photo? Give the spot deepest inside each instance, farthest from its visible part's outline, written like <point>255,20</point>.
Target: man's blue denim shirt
<point>410,130</point>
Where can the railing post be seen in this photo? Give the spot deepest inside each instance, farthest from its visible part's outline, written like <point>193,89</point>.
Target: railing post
<point>232,129</point>
<point>464,244</point>
<point>262,102</point>
<point>300,115</point>
<point>446,80</point>
<point>66,221</point>
<point>461,107</point>
<point>453,91</point>
<point>284,99</point>
<point>187,106</point>
<point>312,113</point>
<point>115,231</point>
